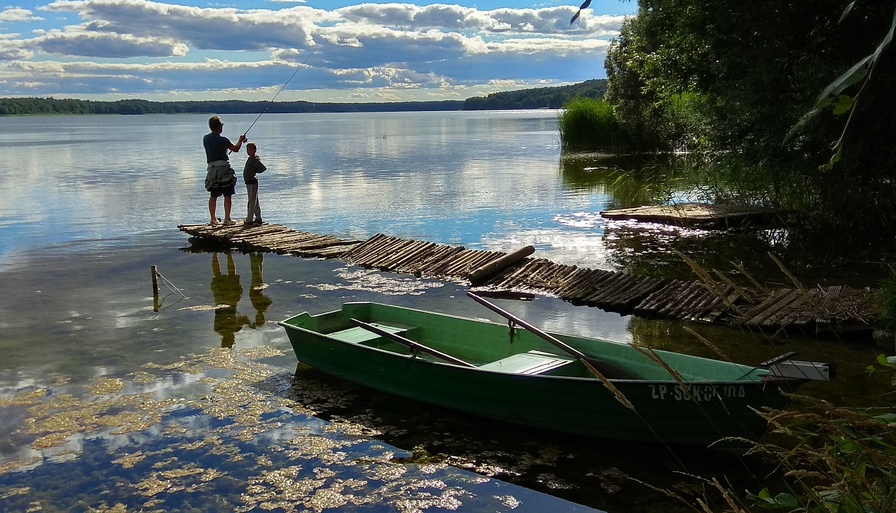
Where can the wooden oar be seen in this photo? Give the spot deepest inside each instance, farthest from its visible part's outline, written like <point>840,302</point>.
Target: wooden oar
<point>590,363</point>
<point>417,346</point>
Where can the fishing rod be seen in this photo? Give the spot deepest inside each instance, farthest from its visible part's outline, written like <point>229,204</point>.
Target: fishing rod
<point>268,104</point>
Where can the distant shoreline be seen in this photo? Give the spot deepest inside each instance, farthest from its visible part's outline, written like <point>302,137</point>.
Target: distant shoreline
<point>526,99</point>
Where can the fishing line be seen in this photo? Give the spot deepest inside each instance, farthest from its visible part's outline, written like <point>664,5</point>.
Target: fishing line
<point>279,91</point>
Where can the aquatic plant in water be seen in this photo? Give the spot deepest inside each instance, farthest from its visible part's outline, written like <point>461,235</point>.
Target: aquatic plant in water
<point>206,433</point>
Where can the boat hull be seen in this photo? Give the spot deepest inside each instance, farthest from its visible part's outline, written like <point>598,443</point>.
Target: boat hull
<point>664,411</point>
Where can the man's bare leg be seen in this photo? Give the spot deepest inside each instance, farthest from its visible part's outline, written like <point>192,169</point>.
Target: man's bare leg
<point>212,208</point>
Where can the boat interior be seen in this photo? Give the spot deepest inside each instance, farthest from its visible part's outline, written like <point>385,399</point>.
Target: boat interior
<point>532,362</point>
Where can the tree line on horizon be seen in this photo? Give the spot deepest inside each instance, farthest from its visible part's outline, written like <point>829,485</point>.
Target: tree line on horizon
<point>538,98</point>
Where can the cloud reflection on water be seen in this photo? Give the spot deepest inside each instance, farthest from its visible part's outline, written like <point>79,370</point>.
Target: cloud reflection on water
<point>227,445</point>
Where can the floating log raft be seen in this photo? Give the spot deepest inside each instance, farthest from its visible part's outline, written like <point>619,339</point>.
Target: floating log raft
<point>698,215</point>
<point>813,311</point>
<point>270,238</point>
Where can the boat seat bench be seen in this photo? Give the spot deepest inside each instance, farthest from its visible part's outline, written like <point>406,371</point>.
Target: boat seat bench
<point>531,363</point>
<point>359,335</point>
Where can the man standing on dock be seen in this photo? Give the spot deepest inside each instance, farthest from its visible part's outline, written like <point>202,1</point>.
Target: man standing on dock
<point>220,178</point>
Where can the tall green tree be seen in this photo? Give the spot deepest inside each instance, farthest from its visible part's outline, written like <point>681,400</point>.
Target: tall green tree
<point>750,72</point>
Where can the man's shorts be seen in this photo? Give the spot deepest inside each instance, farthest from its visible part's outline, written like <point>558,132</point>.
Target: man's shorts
<point>223,191</point>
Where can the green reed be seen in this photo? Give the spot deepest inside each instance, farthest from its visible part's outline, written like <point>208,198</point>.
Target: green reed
<point>838,459</point>
<point>590,124</point>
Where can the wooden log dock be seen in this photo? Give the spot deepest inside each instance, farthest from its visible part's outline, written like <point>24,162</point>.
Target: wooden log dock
<point>699,215</point>
<point>811,311</point>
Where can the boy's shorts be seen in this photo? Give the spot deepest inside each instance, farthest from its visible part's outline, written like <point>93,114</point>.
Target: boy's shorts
<point>223,191</point>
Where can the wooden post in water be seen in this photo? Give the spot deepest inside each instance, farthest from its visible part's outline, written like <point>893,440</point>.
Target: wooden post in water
<point>155,288</point>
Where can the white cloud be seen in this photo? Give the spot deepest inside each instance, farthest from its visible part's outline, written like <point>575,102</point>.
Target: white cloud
<point>394,48</point>
<point>16,14</point>
<point>92,44</point>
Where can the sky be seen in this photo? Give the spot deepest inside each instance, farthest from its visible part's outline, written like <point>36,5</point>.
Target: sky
<point>289,50</point>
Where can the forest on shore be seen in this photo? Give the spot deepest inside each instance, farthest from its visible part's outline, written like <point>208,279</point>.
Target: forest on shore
<point>791,105</point>
<point>537,98</point>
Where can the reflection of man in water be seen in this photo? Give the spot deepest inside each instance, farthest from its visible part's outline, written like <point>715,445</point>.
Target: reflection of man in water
<point>227,291</point>
<point>259,300</point>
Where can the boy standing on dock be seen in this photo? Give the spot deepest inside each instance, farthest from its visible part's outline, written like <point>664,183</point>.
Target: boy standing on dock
<point>250,170</point>
<point>220,178</point>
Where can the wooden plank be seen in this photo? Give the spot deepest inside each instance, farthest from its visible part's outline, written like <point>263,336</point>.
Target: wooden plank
<point>773,309</point>
<point>649,305</point>
<point>387,255</point>
<point>506,279</point>
<point>360,248</point>
<point>697,214</point>
<point>375,254</point>
<point>618,280</point>
<point>585,285</point>
<point>415,257</point>
<point>711,315</point>
<point>782,317</point>
<point>429,266</point>
<point>573,280</point>
<point>559,277</point>
<point>711,300</point>
<point>505,273</point>
<point>335,251</point>
<point>679,303</point>
<point>766,303</point>
<point>410,249</point>
<point>642,289</point>
<point>362,253</point>
<point>437,267</point>
<point>622,292</point>
<point>461,263</point>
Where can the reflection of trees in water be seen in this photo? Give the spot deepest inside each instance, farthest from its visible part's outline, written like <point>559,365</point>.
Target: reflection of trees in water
<point>649,249</point>
<point>227,291</point>
<point>635,180</point>
<point>628,180</point>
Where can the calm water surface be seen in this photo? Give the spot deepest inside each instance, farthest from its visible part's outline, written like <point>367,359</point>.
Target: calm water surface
<point>108,404</point>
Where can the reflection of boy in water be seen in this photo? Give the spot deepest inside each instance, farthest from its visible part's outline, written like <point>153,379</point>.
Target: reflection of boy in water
<point>259,300</point>
<point>227,291</point>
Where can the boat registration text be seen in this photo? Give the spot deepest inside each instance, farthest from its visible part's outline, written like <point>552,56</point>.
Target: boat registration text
<point>696,392</point>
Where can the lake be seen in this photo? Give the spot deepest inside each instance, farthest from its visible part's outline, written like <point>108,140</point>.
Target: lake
<point>109,405</point>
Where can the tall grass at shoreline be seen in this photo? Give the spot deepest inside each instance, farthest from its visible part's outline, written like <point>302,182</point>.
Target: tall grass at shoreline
<point>590,124</point>
<point>840,459</point>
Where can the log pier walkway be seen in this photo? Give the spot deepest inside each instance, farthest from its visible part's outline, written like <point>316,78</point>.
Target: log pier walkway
<point>812,311</point>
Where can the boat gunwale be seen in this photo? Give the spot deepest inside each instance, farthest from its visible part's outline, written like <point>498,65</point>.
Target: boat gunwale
<point>766,380</point>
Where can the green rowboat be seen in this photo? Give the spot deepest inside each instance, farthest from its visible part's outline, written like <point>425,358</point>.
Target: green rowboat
<point>557,382</point>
